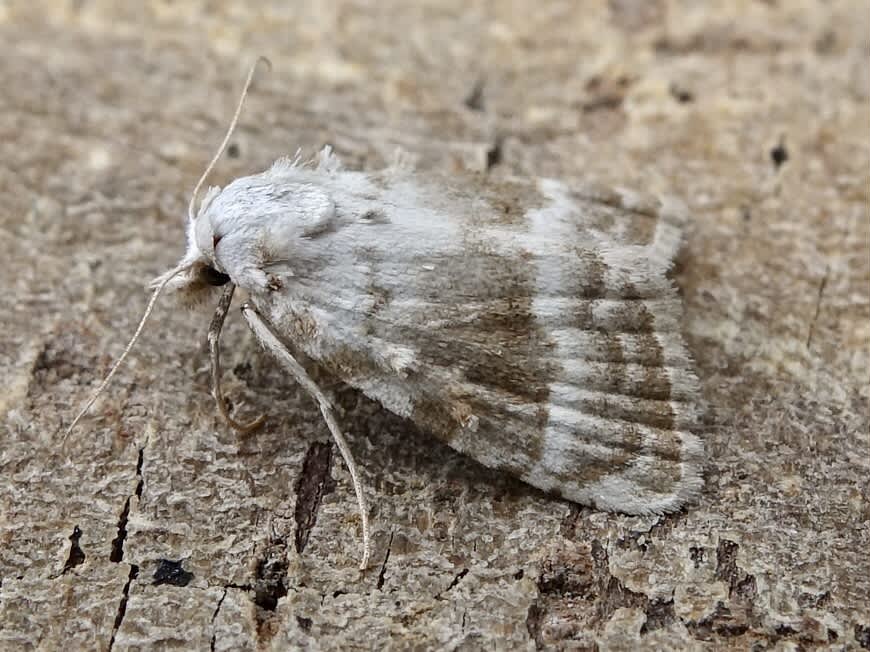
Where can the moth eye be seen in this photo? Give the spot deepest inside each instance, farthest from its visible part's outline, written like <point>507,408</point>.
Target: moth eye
<point>214,277</point>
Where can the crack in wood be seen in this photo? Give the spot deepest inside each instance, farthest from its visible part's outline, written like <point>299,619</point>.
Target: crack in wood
<point>315,481</point>
<point>214,616</point>
<point>382,574</point>
<point>117,553</point>
<point>122,605</point>
<point>456,579</point>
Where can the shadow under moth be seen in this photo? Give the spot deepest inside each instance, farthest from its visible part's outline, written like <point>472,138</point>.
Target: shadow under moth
<point>530,324</point>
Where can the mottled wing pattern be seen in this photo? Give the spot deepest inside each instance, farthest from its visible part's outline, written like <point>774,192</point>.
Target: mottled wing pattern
<point>609,362</point>
<point>531,326</point>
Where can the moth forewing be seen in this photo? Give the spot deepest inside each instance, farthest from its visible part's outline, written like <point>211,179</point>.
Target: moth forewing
<point>529,324</point>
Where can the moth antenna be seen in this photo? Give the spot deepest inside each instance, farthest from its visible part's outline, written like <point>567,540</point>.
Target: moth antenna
<point>270,341</point>
<point>191,206</point>
<point>162,282</point>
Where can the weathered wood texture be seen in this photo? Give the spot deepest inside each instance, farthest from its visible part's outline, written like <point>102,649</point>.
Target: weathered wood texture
<point>157,527</point>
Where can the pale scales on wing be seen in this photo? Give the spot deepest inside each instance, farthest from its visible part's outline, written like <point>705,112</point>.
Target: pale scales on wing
<point>529,324</point>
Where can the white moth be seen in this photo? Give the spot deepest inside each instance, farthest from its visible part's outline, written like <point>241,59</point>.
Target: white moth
<point>530,324</point>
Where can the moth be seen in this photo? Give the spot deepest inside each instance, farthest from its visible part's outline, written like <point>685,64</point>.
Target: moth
<point>528,323</point>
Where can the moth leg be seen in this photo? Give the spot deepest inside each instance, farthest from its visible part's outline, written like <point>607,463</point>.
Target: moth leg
<point>271,343</point>
<point>214,334</point>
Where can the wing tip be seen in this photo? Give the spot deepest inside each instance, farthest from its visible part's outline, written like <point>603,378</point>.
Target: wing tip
<point>623,494</point>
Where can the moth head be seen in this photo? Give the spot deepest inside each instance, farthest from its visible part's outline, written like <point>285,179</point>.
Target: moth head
<point>197,274</point>
<point>200,273</point>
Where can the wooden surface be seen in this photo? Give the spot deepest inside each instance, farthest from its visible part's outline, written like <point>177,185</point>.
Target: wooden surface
<point>157,527</point>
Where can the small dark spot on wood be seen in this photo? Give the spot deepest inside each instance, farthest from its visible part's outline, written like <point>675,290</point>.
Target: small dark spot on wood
<point>659,614</point>
<point>681,95</point>
<point>304,623</point>
<point>785,630</point>
<point>574,580</point>
<point>233,150</point>
<point>862,635</point>
<point>779,155</point>
<point>602,103</point>
<point>76,554</point>
<point>826,43</point>
<point>615,596</point>
<point>170,572</point>
<point>519,574</point>
<point>474,100</point>
<point>271,575</point>
<point>229,405</point>
<point>741,585</point>
<point>374,216</point>
<point>814,600</point>
<point>703,629</point>
<point>731,629</point>
<point>746,588</point>
<point>243,371</point>
<point>269,588</point>
<point>55,361</point>
<point>726,560</point>
<point>494,154</point>
<point>697,555</point>
<point>274,284</point>
<point>534,617</point>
